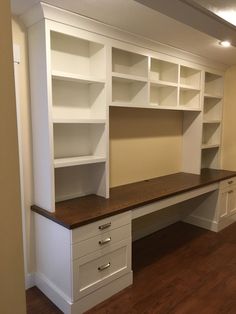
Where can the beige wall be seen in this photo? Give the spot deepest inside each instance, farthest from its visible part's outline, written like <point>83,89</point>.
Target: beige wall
<point>229,128</point>
<point>144,144</point>
<point>11,262</point>
<point>20,39</point>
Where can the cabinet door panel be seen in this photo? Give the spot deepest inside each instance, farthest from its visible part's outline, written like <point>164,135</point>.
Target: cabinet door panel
<point>232,201</point>
<point>223,203</point>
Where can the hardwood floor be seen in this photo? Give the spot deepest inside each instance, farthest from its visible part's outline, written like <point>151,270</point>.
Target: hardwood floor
<point>181,269</point>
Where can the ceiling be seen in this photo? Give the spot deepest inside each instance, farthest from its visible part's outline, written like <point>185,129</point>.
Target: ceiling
<point>225,9</point>
<point>169,22</point>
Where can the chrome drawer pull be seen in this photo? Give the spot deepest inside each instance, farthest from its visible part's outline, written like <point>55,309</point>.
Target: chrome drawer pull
<point>105,226</point>
<point>230,182</point>
<point>105,241</point>
<point>103,267</point>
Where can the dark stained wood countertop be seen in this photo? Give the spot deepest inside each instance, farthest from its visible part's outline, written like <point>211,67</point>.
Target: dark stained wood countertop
<point>83,210</point>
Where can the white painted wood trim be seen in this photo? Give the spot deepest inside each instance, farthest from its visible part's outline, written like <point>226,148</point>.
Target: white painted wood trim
<point>43,10</point>
<point>87,302</point>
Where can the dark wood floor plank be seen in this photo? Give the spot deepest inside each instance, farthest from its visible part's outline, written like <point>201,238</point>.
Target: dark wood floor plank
<point>181,269</point>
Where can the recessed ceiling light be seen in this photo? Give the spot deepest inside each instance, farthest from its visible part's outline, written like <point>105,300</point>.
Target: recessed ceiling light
<point>225,43</point>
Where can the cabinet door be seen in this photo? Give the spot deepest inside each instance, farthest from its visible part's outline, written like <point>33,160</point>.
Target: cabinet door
<point>223,203</point>
<point>232,201</point>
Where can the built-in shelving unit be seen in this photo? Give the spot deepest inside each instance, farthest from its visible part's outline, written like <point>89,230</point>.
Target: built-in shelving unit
<point>80,77</point>
<point>212,116</point>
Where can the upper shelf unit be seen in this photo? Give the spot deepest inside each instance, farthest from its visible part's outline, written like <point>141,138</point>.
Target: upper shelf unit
<point>147,82</point>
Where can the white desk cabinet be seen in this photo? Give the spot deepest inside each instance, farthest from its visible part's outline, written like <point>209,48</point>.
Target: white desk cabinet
<point>215,210</point>
<point>81,267</point>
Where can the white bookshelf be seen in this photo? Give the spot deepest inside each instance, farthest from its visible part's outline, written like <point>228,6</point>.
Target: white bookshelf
<point>163,95</point>
<point>190,78</point>
<point>166,72</point>
<point>77,56</point>
<point>189,98</point>
<point>212,117</point>
<point>80,75</point>
<point>129,92</point>
<point>129,63</point>
<point>213,85</point>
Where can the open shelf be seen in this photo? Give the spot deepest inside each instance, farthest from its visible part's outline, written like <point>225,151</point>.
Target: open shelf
<point>209,146</point>
<point>190,77</point>
<point>71,182</point>
<point>163,71</point>
<point>128,77</point>
<point>189,98</point>
<point>76,161</point>
<point>210,158</point>
<point>75,100</point>
<point>211,134</point>
<point>79,140</point>
<point>212,109</point>
<point>128,92</point>
<point>77,120</point>
<point>65,76</point>
<point>211,121</point>
<point>129,63</point>
<point>165,96</point>
<point>213,85</point>
<point>77,56</point>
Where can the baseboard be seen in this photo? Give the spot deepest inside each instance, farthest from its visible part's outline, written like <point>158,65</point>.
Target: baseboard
<point>53,293</point>
<point>201,222</point>
<point>102,294</point>
<point>88,301</point>
<point>29,280</point>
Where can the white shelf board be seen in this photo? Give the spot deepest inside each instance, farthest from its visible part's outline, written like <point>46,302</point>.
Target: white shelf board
<point>185,87</point>
<point>207,95</point>
<point>211,121</point>
<point>127,104</point>
<point>209,146</point>
<point>160,83</point>
<point>186,108</point>
<point>64,76</point>
<point>82,121</point>
<point>76,161</point>
<point>128,77</point>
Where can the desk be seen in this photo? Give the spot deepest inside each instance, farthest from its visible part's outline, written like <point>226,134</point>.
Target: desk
<point>94,233</point>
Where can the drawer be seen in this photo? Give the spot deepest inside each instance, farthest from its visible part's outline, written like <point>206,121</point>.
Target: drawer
<point>96,270</point>
<point>103,241</point>
<point>100,226</point>
<point>227,183</point>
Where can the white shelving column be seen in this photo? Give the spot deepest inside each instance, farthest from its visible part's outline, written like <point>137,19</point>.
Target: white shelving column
<point>69,113</point>
<point>212,118</point>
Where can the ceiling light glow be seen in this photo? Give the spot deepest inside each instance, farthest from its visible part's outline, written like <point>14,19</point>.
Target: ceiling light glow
<point>225,43</point>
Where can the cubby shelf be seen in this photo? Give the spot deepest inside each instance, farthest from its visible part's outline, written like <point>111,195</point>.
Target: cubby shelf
<point>77,120</point>
<point>65,76</point>
<point>208,146</point>
<point>211,121</point>
<point>76,161</point>
<point>188,88</point>
<point>215,96</point>
<point>160,83</point>
<point>128,77</point>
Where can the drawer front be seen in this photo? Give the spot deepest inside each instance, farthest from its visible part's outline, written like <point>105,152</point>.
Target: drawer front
<point>96,270</point>
<point>227,183</point>
<point>100,226</point>
<point>103,241</point>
